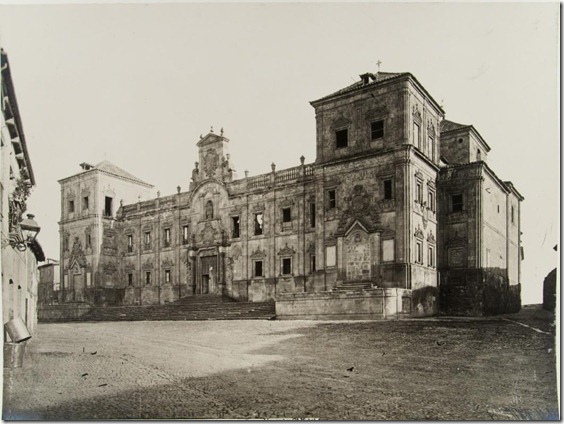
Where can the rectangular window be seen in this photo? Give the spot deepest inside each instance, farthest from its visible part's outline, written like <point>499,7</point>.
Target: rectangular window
<point>258,269</point>
<point>388,250</point>
<point>286,215</point>
<point>331,256</point>
<point>85,203</point>
<point>431,148</point>
<point>457,203</point>
<point>235,227</point>
<point>388,189</point>
<point>130,279</point>
<point>286,266</point>
<point>71,206</point>
<point>377,130</point>
<point>185,234</point>
<point>88,279</point>
<point>419,191</point>
<point>416,138</point>
<point>342,137</point>
<point>167,275</point>
<point>148,277</point>
<point>258,224</point>
<point>431,201</point>
<point>419,252</point>
<point>312,264</point>
<point>147,238</point>
<point>431,258</point>
<point>108,207</point>
<point>88,241</point>
<point>129,243</point>
<point>312,215</point>
<point>513,214</point>
<point>332,197</point>
<point>167,237</point>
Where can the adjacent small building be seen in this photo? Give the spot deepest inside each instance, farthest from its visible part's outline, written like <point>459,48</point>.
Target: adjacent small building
<point>49,283</point>
<point>398,214</point>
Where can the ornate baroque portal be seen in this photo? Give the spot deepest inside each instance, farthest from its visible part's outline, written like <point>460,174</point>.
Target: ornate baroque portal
<point>358,255</point>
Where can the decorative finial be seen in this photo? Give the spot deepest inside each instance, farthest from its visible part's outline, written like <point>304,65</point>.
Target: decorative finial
<point>201,136</point>
<point>273,166</point>
<point>159,193</point>
<point>379,63</point>
<point>221,131</point>
<point>246,173</point>
<point>302,159</point>
<point>196,164</point>
<point>138,197</point>
<point>211,129</point>
<point>178,189</point>
<point>121,202</point>
<point>227,156</point>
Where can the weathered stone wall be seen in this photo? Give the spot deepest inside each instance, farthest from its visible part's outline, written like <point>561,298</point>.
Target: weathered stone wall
<point>476,292</point>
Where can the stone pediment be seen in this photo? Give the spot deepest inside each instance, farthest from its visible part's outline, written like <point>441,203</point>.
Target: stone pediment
<point>286,251</point>
<point>456,241</point>
<point>258,254</point>
<point>419,233</point>
<point>356,224</point>
<point>211,138</point>
<point>341,123</point>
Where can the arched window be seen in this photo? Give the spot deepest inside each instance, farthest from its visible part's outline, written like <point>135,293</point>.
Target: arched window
<point>209,209</point>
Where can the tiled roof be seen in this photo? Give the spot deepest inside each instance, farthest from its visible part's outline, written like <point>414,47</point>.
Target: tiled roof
<point>373,79</point>
<point>447,125</point>
<point>110,168</point>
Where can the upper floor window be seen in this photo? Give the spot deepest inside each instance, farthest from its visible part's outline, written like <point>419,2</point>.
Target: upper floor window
<point>286,266</point>
<point>513,214</point>
<point>418,191</point>
<point>342,138</point>
<point>377,130</point>
<point>130,243</point>
<point>416,135</point>
<point>167,237</point>
<point>108,206</point>
<point>88,241</point>
<point>130,279</point>
<point>419,252</point>
<point>147,238</point>
<point>71,206</point>
<point>235,227</point>
<point>312,215</point>
<point>388,189</point>
<point>431,200</point>
<point>209,209</point>
<point>148,277</point>
<point>167,276</point>
<point>457,203</point>
<point>332,198</point>
<point>258,269</point>
<point>431,148</point>
<point>258,224</point>
<point>85,204</point>
<point>185,234</point>
<point>286,214</point>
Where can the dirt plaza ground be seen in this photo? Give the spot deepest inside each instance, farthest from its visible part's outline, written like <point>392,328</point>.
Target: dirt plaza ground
<point>437,368</point>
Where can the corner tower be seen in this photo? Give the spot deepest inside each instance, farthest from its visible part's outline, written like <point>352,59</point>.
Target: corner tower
<point>88,245</point>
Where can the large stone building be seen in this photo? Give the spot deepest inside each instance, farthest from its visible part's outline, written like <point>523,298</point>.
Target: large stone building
<point>395,195</point>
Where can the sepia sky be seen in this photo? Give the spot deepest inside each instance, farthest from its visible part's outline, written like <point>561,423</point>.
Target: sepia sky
<point>137,84</point>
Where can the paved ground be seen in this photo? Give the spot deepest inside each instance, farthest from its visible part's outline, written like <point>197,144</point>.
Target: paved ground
<point>417,369</point>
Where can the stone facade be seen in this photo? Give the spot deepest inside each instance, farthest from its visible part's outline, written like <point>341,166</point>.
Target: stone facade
<point>365,211</point>
<point>19,257</point>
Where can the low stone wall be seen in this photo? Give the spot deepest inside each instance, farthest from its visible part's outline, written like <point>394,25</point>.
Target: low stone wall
<point>369,304</point>
<point>62,313</point>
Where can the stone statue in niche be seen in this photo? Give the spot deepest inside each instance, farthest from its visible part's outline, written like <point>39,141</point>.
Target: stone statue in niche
<point>209,210</point>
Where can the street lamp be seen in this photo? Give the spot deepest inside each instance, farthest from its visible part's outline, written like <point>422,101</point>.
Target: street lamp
<point>25,234</point>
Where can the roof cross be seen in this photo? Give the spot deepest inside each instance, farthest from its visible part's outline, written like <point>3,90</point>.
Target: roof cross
<point>379,63</point>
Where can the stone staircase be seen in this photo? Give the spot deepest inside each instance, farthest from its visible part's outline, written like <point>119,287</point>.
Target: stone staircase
<point>189,308</point>
<point>353,286</point>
